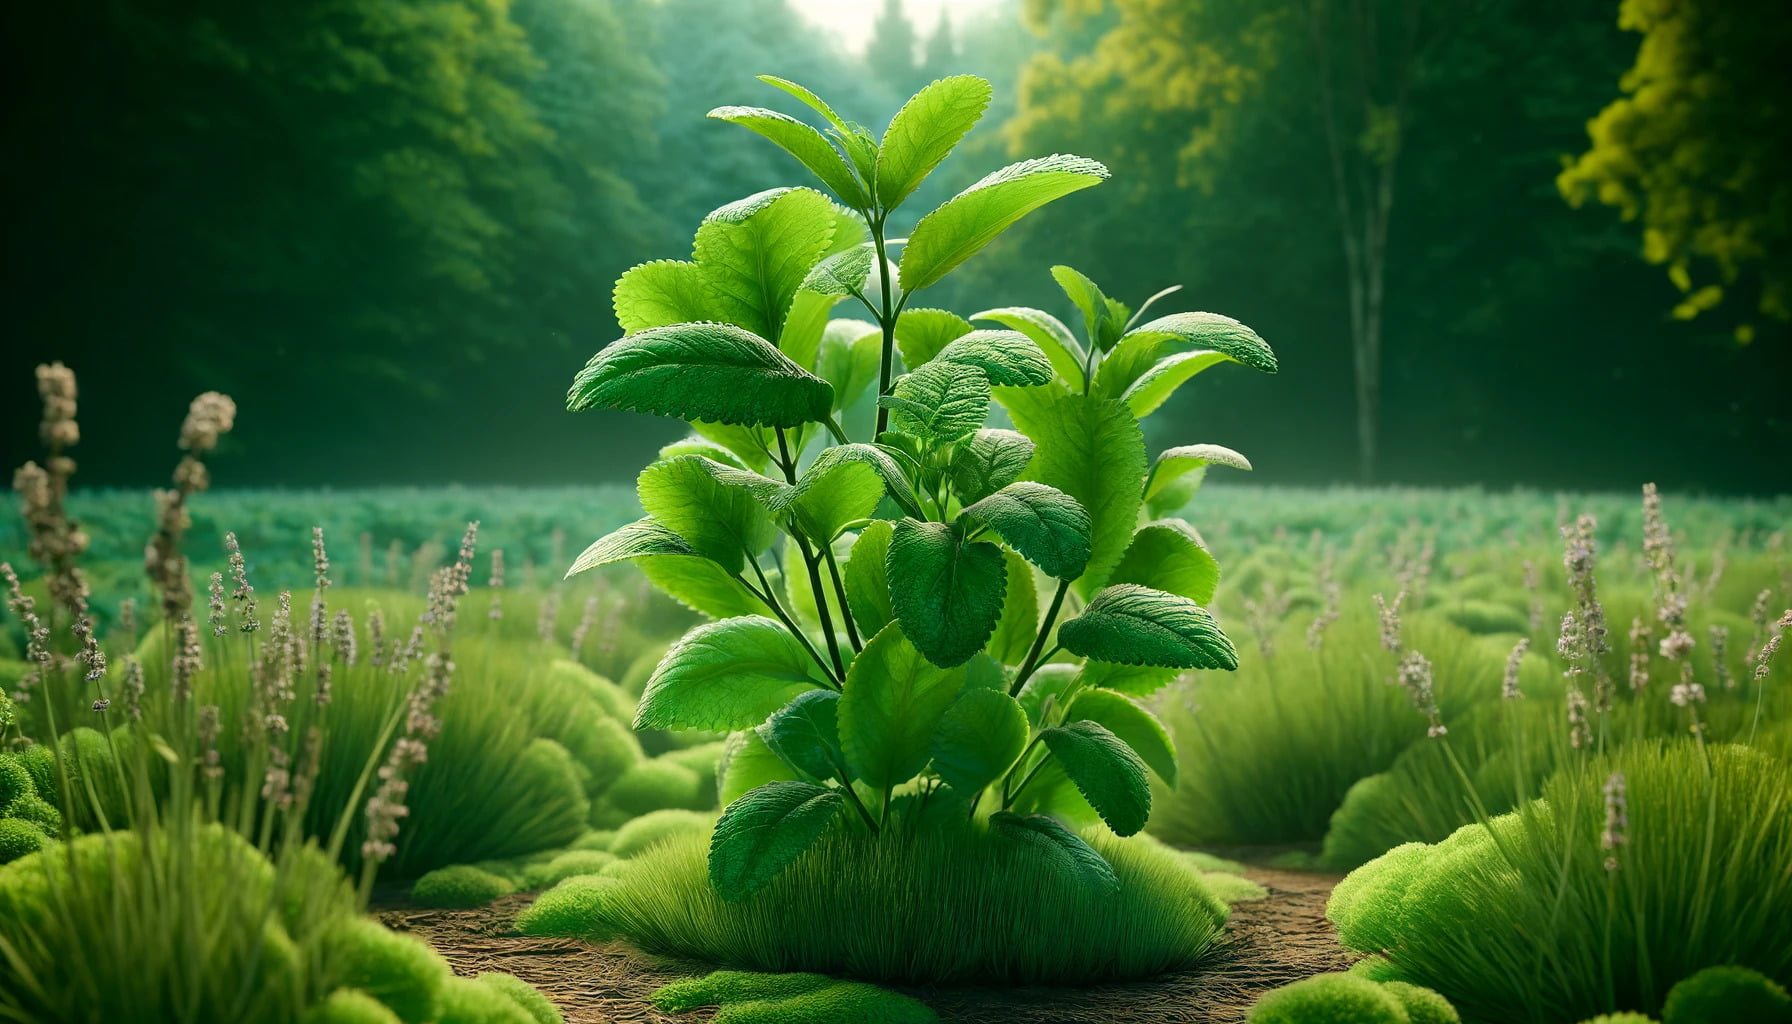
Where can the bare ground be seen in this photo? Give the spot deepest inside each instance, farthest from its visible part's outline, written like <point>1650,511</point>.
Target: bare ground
<point>1269,943</point>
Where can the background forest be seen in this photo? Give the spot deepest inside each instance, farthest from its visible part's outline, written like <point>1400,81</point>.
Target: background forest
<point>388,227</point>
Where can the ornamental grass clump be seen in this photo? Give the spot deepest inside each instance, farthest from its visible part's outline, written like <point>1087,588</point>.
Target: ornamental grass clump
<point>883,603</point>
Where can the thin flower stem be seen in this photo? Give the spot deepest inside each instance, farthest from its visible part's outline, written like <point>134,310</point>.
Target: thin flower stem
<point>1045,628</point>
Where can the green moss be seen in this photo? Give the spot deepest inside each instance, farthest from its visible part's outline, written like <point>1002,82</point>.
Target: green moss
<point>607,695</point>
<point>687,994</point>
<point>19,838</point>
<point>648,829</point>
<point>1375,967</point>
<point>400,971</point>
<point>1721,995</point>
<point>747,997</point>
<point>38,811</point>
<point>40,764</point>
<point>1486,617</point>
<point>1329,999</point>
<point>465,1001</point>
<point>597,839</point>
<point>461,885</point>
<point>656,784</point>
<point>1422,1005</point>
<point>15,781</point>
<point>1232,888</point>
<point>349,1006</point>
<point>522,994</point>
<point>564,866</point>
<point>1620,1018</point>
<point>572,909</point>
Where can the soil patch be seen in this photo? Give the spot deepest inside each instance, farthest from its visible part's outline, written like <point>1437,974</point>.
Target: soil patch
<point>1269,943</point>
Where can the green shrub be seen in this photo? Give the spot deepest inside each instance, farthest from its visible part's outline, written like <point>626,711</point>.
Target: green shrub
<point>1720,995</point>
<point>18,838</point>
<point>656,826</point>
<point>1486,617</point>
<point>523,994</point>
<point>1422,1005</point>
<point>400,971</point>
<point>1699,882</point>
<point>564,866</point>
<point>1231,889</point>
<point>349,1006</point>
<point>40,764</point>
<point>460,885</point>
<point>607,695</point>
<point>653,785</point>
<point>918,908</point>
<point>745,997</point>
<point>15,781</point>
<point>1329,999</point>
<point>466,1001</point>
<point>1620,1018</point>
<point>36,810</point>
<point>594,840</point>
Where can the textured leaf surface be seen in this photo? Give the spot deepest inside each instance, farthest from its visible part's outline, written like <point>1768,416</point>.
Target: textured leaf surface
<point>746,764</point>
<point>802,141</point>
<point>843,273</point>
<point>697,444</point>
<point>848,359</point>
<point>827,499</point>
<point>892,704</point>
<point>979,736</point>
<point>1137,680</point>
<point>806,734</point>
<point>1109,774</point>
<point>924,131</point>
<point>988,461</point>
<point>699,584</point>
<point>751,445</point>
<point>702,371</point>
<point>922,333</point>
<point>764,832</point>
<point>895,480</point>
<point>940,401</point>
<point>946,593</point>
<point>1077,859</point>
<point>1019,623</point>
<point>660,294</point>
<point>1167,555</point>
<point>639,538</point>
<point>1090,449</point>
<point>867,585</point>
<point>1177,462</point>
<point>1133,625</point>
<point>1006,357</point>
<point>1097,309</point>
<point>755,252</point>
<point>1048,527</point>
<point>726,675</point>
<point>722,521</point>
<point>1050,334</point>
<point>1139,349</point>
<point>1132,724</point>
<point>804,326</point>
<point>967,222</point>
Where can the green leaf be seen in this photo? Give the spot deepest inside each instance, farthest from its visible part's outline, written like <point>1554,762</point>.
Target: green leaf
<point>1050,334</point>
<point>1138,680</point>
<point>746,764</point>
<point>987,461</point>
<point>660,294</point>
<point>1091,449</point>
<point>892,704</point>
<point>1006,357</point>
<point>1132,725</point>
<point>979,736</point>
<point>726,675</point>
<point>1109,774</point>
<point>844,273</point>
<point>764,832</point>
<point>867,582</point>
<point>751,445</point>
<point>922,333</point>
<point>697,444</point>
<point>1044,524</point>
<point>1047,684</point>
<point>1076,858</point>
<point>967,222</point>
<point>1141,349</point>
<point>702,371</point>
<point>755,252</point>
<point>804,326</point>
<point>1097,308</point>
<point>1133,625</point>
<point>809,146</point>
<point>924,131</point>
<point>700,584</point>
<point>1167,555</point>
<point>1177,462</point>
<point>815,103</point>
<point>641,537</point>
<point>806,734</point>
<point>896,482</point>
<point>721,521</point>
<point>848,359</point>
<point>1019,623</point>
<point>947,593</point>
<point>942,402</point>
<point>829,497</point>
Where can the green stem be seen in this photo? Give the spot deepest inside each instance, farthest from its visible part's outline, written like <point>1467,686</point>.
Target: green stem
<point>887,320</point>
<point>811,561</point>
<point>771,601</point>
<point>1045,628</point>
<point>858,805</point>
<point>852,629</point>
<point>836,430</point>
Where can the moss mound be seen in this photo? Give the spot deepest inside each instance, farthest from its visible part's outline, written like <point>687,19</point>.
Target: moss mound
<point>1330,999</point>
<point>402,972</point>
<point>747,997</point>
<point>19,838</point>
<point>459,886</point>
<point>524,995</point>
<point>349,1006</point>
<point>658,826</point>
<point>1719,995</point>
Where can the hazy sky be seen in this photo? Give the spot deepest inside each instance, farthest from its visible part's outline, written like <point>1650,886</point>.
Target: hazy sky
<point>850,20</point>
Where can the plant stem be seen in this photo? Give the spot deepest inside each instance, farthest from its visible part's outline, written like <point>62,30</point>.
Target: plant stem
<point>852,629</point>
<point>1045,628</point>
<point>771,601</point>
<point>858,805</point>
<point>835,429</point>
<point>810,563</point>
<point>887,320</point>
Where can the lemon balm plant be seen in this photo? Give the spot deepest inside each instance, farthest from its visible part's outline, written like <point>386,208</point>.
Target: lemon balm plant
<point>879,650</point>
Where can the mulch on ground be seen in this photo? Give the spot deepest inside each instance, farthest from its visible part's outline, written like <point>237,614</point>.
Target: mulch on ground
<point>1269,943</point>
